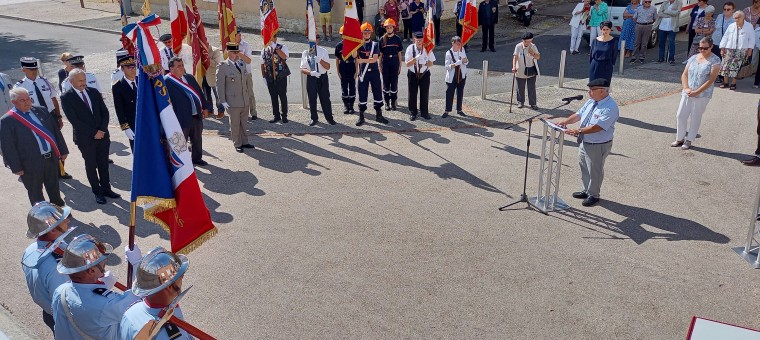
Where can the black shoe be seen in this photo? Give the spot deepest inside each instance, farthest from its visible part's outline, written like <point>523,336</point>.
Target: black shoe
<point>520,106</point>
<point>351,111</point>
<point>534,107</point>
<point>672,62</point>
<point>331,121</point>
<point>482,50</point>
<point>445,114</point>
<point>413,117</point>
<point>754,161</point>
<point>285,119</point>
<point>112,194</point>
<point>633,61</point>
<point>360,122</point>
<point>590,201</point>
<point>346,112</point>
<point>493,50</point>
<point>275,120</point>
<point>239,150</point>
<point>387,104</point>
<point>393,106</point>
<point>425,116</point>
<point>313,122</point>
<point>247,146</point>
<point>110,161</point>
<point>641,60</point>
<point>65,176</point>
<point>380,119</point>
<point>200,162</point>
<point>660,61</point>
<point>100,199</point>
<point>254,117</point>
<point>461,113</point>
<point>580,195</point>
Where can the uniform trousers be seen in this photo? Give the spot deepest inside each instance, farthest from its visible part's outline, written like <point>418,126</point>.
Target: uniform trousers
<point>278,93</point>
<point>47,176</point>
<point>531,82</point>
<point>592,158</point>
<point>576,36</point>
<point>419,85</point>
<point>251,93</point>
<point>194,134</point>
<point>95,154</point>
<point>390,81</point>
<point>690,107</point>
<point>437,29</point>
<point>371,80</point>
<point>488,37</point>
<point>348,89</point>
<point>641,41</point>
<point>237,125</point>
<point>319,88</point>
<point>210,93</point>
<point>451,88</point>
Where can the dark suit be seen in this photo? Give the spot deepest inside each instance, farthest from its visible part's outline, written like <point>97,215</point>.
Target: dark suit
<point>21,152</point>
<point>125,105</point>
<point>488,17</point>
<point>191,122</point>
<point>86,124</point>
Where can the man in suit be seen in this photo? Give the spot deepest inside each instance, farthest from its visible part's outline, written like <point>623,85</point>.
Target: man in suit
<point>233,94</point>
<point>125,97</point>
<point>190,106</point>
<point>488,17</point>
<point>32,145</point>
<point>85,109</point>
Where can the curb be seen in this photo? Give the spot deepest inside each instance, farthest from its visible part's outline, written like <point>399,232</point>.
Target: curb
<point>60,24</point>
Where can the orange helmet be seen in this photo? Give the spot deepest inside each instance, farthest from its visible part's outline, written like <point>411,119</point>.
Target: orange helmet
<point>340,30</point>
<point>366,27</point>
<point>389,22</point>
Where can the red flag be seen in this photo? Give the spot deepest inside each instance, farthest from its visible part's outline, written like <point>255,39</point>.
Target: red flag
<point>428,41</point>
<point>352,32</point>
<point>198,41</point>
<point>468,18</point>
<point>227,24</point>
<point>270,25</point>
<point>178,24</point>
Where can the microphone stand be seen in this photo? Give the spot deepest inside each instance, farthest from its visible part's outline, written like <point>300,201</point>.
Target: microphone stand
<point>524,195</point>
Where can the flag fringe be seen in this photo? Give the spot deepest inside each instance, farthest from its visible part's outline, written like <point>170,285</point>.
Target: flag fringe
<point>273,34</point>
<point>159,205</point>
<point>355,48</point>
<point>198,241</point>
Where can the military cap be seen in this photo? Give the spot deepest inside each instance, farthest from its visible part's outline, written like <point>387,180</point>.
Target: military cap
<point>233,47</point>
<point>76,60</point>
<point>165,37</point>
<point>29,62</point>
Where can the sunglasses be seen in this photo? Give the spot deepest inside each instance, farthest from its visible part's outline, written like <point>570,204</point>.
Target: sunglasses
<point>703,48</point>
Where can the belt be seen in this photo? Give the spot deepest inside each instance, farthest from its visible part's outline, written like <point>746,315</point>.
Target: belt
<point>47,155</point>
<point>645,23</point>
<point>609,141</point>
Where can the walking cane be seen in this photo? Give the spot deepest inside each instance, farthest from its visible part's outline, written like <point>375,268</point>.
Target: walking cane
<point>514,74</point>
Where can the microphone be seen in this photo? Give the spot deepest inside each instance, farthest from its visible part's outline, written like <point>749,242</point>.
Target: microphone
<point>569,99</point>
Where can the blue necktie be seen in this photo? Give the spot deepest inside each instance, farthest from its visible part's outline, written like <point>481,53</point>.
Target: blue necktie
<point>585,122</point>
<point>45,146</point>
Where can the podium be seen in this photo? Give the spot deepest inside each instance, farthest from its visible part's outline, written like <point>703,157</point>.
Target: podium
<point>751,248</point>
<point>547,196</point>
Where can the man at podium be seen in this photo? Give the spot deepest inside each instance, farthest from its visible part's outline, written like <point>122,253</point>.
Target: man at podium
<point>597,116</point>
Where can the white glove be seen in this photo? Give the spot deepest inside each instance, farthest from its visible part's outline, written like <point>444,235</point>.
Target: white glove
<point>134,256</point>
<point>273,44</point>
<point>109,279</point>
<point>63,245</point>
<point>459,62</point>
<point>226,106</point>
<point>315,74</point>
<point>130,134</point>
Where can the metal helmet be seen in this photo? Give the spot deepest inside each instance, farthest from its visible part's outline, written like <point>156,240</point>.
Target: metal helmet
<point>84,252</point>
<point>389,22</point>
<point>44,217</point>
<point>157,270</point>
<point>366,27</point>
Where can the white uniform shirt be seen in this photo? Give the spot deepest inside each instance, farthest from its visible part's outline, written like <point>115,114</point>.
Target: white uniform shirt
<point>186,53</point>
<point>5,97</point>
<point>92,82</point>
<point>451,68</point>
<point>412,51</point>
<point>97,311</point>
<point>312,65</point>
<point>247,50</point>
<point>139,314</point>
<point>48,91</point>
<point>42,277</point>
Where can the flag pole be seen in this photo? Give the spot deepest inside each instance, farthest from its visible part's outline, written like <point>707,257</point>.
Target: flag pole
<point>132,222</point>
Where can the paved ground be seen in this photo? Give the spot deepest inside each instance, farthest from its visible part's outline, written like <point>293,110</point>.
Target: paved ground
<point>394,231</point>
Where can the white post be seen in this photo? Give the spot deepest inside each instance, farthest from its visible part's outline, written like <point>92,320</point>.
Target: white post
<point>621,62</point>
<point>484,86</point>
<point>304,98</point>
<point>562,67</point>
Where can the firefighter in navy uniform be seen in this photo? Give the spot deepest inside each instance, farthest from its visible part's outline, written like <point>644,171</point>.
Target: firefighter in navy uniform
<point>347,74</point>
<point>390,62</point>
<point>369,75</point>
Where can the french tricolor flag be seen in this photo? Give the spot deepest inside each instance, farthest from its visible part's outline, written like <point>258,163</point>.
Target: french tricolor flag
<point>468,18</point>
<point>163,177</point>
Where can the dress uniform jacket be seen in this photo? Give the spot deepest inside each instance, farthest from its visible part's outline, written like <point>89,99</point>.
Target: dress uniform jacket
<point>5,98</point>
<point>230,85</point>
<point>125,103</point>
<point>96,311</point>
<point>92,82</point>
<point>47,91</point>
<point>139,314</point>
<point>42,277</point>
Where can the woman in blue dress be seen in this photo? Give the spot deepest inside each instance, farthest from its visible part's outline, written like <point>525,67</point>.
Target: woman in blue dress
<point>629,28</point>
<point>417,10</point>
<point>604,52</point>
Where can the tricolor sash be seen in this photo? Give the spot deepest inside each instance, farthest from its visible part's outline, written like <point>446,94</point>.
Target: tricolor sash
<point>38,129</point>
<point>185,86</point>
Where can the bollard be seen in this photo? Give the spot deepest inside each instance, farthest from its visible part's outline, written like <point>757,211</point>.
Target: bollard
<point>622,56</point>
<point>484,86</point>
<point>304,99</point>
<point>562,68</point>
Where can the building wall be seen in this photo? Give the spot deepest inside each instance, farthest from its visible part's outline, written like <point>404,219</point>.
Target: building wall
<point>291,13</point>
